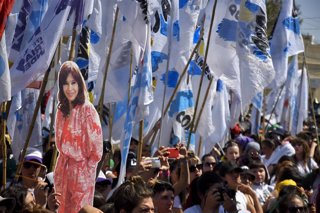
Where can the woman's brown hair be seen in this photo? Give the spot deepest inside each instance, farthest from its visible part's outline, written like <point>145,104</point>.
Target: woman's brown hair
<point>69,67</point>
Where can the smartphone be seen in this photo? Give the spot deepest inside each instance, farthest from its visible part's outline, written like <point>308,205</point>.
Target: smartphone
<point>173,153</point>
<point>155,163</point>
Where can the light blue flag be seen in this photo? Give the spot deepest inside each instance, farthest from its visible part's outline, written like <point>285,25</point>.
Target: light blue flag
<point>35,58</point>
<point>141,97</point>
<point>286,41</point>
<point>256,69</point>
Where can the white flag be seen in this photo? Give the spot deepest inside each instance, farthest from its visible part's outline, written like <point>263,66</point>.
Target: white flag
<point>35,58</point>
<point>301,110</point>
<point>5,83</point>
<point>286,41</point>
<point>256,69</point>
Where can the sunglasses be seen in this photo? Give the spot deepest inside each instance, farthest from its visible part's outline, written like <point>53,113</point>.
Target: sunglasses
<point>207,164</point>
<point>28,165</point>
<point>193,168</point>
<point>293,209</point>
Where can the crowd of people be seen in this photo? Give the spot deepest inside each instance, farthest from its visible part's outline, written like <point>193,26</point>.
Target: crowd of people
<point>274,173</point>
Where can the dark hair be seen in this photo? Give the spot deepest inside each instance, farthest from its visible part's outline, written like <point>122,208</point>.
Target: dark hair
<point>207,180</point>
<point>305,146</point>
<point>258,164</point>
<point>107,208</point>
<point>18,193</point>
<point>287,194</point>
<point>269,143</point>
<point>161,186</point>
<point>69,67</point>
<point>130,194</point>
<point>205,156</point>
<point>193,198</point>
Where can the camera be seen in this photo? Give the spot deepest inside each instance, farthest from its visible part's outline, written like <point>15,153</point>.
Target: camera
<point>230,192</point>
<point>155,163</point>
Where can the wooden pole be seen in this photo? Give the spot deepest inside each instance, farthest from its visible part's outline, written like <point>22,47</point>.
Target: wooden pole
<point>141,126</point>
<point>73,45</point>
<point>202,106</point>
<point>55,151</point>
<point>202,73</point>
<point>177,87</point>
<point>199,146</point>
<point>34,117</point>
<point>4,144</point>
<point>107,64</point>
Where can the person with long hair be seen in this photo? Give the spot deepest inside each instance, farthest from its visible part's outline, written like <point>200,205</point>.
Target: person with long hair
<point>304,162</point>
<point>78,140</point>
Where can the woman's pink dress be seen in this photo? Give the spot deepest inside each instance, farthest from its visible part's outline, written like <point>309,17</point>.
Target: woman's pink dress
<point>79,141</point>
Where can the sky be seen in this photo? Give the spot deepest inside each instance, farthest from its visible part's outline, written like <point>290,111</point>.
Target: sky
<point>311,18</point>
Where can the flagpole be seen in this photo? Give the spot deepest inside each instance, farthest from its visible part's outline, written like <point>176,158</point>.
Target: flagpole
<point>55,151</point>
<point>73,45</point>
<point>4,144</point>
<point>202,73</point>
<point>202,107</point>
<point>34,117</point>
<point>141,126</point>
<point>167,73</point>
<point>200,145</point>
<point>312,98</point>
<point>177,86</point>
<point>107,64</point>
<point>274,106</point>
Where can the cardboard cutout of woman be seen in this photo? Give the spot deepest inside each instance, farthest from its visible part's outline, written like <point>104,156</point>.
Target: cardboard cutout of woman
<point>78,140</point>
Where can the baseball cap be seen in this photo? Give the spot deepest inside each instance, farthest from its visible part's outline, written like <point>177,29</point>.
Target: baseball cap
<point>33,154</point>
<point>228,167</point>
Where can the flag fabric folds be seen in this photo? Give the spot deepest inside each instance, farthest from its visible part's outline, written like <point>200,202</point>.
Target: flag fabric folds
<point>256,69</point>
<point>5,83</point>
<point>35,58</point>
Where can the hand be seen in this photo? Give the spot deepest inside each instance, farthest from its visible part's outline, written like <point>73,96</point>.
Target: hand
<point>162,151</point>
<point>182,151</point>
<point>89,209</point>
<point>53,201</point>
<point>246,190</point>
<point>228,204</point>
<point>164,163</point>
<point>41,193</point>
